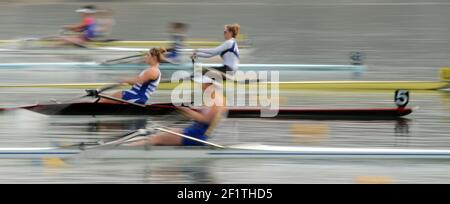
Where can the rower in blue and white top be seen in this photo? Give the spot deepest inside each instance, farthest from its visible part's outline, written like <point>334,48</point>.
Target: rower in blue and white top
<point>205,119</point>
<point>228,51</point>
<point>177,31</point>
<point>143,85</point>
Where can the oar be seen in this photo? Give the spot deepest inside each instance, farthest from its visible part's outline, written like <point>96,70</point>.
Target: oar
<point>91,93</point>
<point>97,93</point>
<point>43,38</point>
<point>106,62</point>
<point>121,140</point>
<point>128,137</point>
<point>108,87</point>
<point>142,52</point>
<point>101,143</point>
<point>48,37</point>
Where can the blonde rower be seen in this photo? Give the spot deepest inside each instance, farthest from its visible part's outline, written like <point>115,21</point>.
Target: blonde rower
<point>228,51</point>
<point>145,84</point>
<point>204,121</point>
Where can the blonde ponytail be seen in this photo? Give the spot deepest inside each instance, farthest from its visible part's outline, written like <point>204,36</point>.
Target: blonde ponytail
<point>158,52</point>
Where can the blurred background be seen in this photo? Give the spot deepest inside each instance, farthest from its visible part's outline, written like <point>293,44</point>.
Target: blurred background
<point>401,40</point>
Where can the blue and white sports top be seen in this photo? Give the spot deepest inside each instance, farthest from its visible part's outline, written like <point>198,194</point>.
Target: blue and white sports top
<point>229,51</point>
<point>146,89</point>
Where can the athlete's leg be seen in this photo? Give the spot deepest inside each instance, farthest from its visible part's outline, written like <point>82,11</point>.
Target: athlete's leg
<point>117,95</point>
<point>161,138</point>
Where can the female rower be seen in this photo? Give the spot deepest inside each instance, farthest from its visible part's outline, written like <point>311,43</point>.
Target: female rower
<point>145,84</point>
<point>228,51</point>
<point>204,121</point>
<point>87,27</point>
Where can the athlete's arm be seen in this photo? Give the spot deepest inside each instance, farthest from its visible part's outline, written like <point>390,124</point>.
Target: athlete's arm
<point>208,118</point>
<point>150,74</point>
<point>76,28</point>
<point>206,53</point>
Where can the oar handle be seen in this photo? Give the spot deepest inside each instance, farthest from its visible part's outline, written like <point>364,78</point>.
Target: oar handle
<point>96,92</point>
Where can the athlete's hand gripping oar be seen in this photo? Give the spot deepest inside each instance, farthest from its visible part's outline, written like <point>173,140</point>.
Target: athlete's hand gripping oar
<point>97,93</point>
<point>100,90</point>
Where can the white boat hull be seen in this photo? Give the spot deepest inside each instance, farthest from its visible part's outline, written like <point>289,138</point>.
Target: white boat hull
<point>236,152</point>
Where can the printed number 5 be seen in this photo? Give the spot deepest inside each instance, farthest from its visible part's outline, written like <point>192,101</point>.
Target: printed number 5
<point>401,98</point>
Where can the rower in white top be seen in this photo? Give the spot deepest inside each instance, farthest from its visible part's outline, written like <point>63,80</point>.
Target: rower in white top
<point>228,51</point>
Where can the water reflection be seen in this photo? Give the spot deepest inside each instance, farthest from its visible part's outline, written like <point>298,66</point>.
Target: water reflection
<point>194,171</point>
<point>103,125</point>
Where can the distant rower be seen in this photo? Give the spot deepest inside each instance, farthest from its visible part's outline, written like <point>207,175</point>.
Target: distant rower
<point>105,21</point>
<point>177,31</point>
<point>87,27</point>
<point>145,84</point>
<point>228,51</point>
<point>204,121</point>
